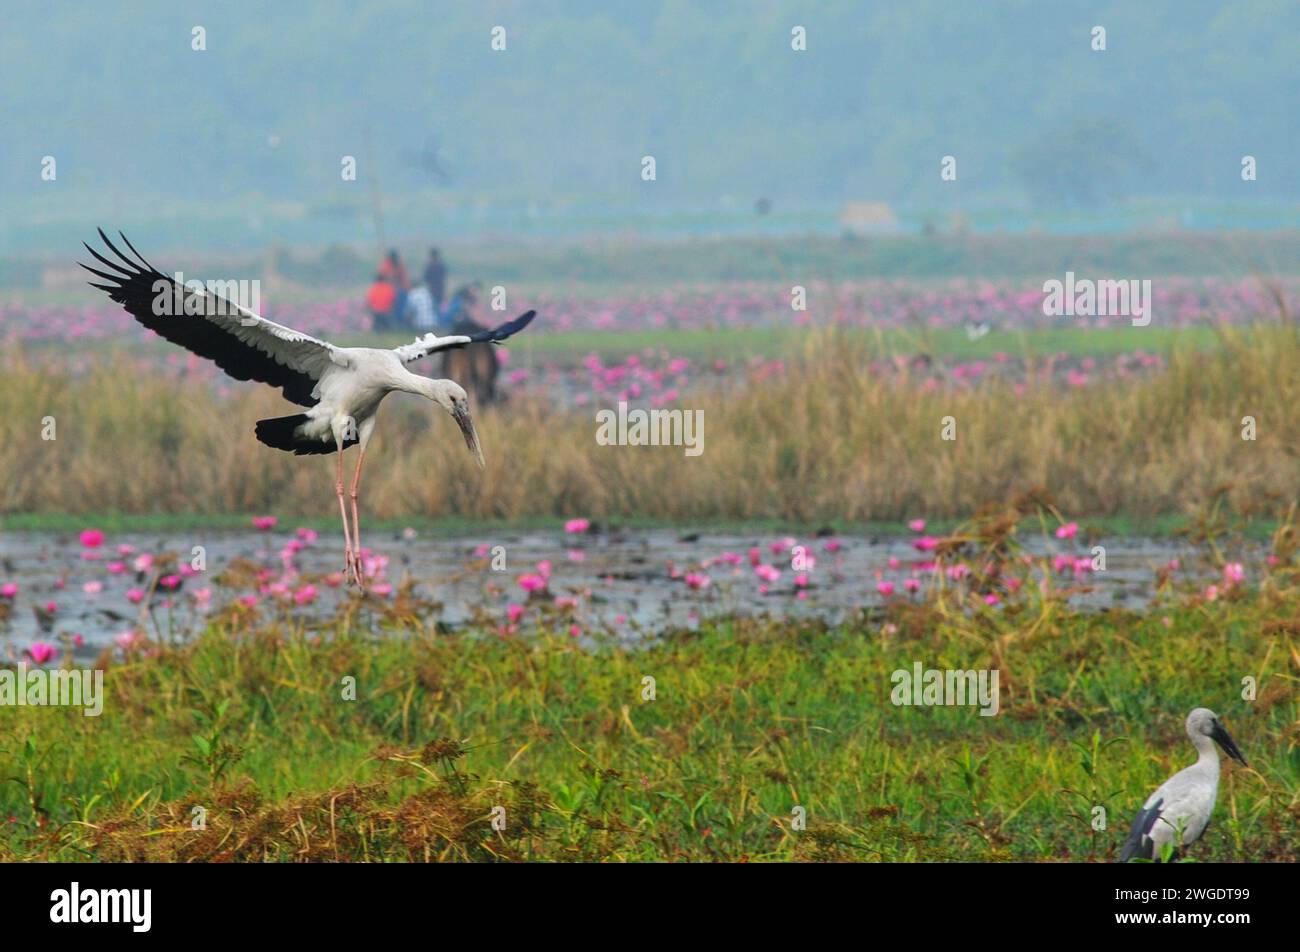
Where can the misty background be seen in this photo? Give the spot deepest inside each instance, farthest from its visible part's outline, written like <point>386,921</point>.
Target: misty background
<point>241,144</point>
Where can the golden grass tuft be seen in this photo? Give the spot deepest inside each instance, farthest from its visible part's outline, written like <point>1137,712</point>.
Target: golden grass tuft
<point>827,440</point>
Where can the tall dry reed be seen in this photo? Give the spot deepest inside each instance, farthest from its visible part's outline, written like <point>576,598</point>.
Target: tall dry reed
<point>827,440</point>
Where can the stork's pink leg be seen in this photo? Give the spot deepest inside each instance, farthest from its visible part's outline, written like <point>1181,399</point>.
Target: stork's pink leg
<point>343,513</point>
<point>356,520</point>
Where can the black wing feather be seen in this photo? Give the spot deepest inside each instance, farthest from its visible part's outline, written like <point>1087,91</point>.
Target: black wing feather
<point>499,333</point>
<point>134,290</point>
<point>1139,842</point>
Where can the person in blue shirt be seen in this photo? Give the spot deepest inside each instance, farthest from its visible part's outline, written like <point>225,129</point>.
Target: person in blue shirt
<point>458,310</point>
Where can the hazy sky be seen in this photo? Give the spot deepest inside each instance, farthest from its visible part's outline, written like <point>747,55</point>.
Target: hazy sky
<point>133,115</point>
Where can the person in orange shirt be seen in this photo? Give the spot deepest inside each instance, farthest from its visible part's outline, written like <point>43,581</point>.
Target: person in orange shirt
<point>394,270</point>
<point>380,299</point>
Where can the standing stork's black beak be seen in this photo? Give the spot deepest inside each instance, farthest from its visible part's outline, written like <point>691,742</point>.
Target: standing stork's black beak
<point>1222,738</point>
<point>461,414</point>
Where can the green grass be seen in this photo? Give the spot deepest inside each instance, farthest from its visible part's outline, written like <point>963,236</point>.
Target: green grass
<point>561,263</point>
<point>749,721</point>
<point>773,342</point>
<point>377,734</point>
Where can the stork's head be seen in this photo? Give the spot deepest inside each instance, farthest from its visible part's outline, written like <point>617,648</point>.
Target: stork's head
<point>451,397</point>
<point>1205,722</point>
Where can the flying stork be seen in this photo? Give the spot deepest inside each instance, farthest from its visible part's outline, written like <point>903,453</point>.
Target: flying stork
<point>341,387</point>
<point>1186,800</point>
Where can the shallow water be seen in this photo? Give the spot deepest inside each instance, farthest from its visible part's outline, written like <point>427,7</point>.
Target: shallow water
<point>631,582</point>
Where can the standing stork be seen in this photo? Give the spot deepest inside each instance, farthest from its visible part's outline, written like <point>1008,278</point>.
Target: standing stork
<point>1185,801</point>
<point>341,387</point>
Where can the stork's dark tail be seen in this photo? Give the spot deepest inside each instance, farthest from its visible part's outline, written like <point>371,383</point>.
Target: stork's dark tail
<point>280,433</point>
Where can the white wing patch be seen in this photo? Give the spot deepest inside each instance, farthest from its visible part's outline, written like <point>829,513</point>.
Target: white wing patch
<point>422,347</point>
<point>284,345</point>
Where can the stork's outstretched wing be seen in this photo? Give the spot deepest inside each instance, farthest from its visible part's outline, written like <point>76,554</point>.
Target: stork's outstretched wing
<point>243,344</point>
<point>422,347</point>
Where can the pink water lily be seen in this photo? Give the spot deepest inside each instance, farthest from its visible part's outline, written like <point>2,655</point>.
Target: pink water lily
<point>1234,573</point>
<point>91,538</point>
<point>782,545</point>
<point>885,588</point>
<point>577,526</point>
<point>265,523</point>
<point>1067,531</point>
<point>41,652</point>
<point>8,590</point>
<point>697,580</point>
<point>917,525</point>
<point>514,612</point>
<point>135,595</point>
<point>532,583</point>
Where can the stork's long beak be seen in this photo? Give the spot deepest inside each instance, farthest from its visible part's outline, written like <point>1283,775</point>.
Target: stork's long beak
<point>1229,746</point>
<point>471,435</point>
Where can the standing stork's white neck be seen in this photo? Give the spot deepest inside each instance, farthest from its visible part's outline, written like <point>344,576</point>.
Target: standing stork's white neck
<point>1207,754</point>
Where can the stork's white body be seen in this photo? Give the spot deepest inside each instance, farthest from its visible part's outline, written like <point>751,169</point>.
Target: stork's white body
<point>1188,798</point>
<point>351,390</point>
